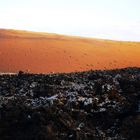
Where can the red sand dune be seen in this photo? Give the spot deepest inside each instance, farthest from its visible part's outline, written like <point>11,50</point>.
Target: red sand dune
<point>45,53</point>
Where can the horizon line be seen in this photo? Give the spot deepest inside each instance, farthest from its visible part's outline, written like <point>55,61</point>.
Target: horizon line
<point>70,35</point>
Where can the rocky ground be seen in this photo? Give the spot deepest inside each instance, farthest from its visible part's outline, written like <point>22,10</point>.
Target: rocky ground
<point>93,105</point>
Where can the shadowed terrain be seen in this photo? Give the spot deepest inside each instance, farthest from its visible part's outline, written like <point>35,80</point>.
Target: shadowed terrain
<point>45,53</point>
<point>92,105</point>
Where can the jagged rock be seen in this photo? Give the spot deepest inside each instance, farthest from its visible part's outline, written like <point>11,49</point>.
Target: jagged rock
<point>77,106</point>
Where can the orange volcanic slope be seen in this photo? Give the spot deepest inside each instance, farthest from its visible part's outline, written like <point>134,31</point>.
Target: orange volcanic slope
<point>45,53</point>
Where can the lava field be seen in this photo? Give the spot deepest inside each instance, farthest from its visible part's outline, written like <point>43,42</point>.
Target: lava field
<point>92,105</point>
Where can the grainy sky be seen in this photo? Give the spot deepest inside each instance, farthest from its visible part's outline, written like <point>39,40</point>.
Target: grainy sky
<point>108,19</point>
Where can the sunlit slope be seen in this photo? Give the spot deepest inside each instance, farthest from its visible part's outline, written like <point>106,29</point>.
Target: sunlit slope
<point>45,53</point>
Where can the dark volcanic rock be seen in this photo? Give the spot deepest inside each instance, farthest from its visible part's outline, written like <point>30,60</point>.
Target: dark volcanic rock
<point>100,105</point>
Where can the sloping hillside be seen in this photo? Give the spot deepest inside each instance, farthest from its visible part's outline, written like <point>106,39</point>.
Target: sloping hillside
<point>45,53</point>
